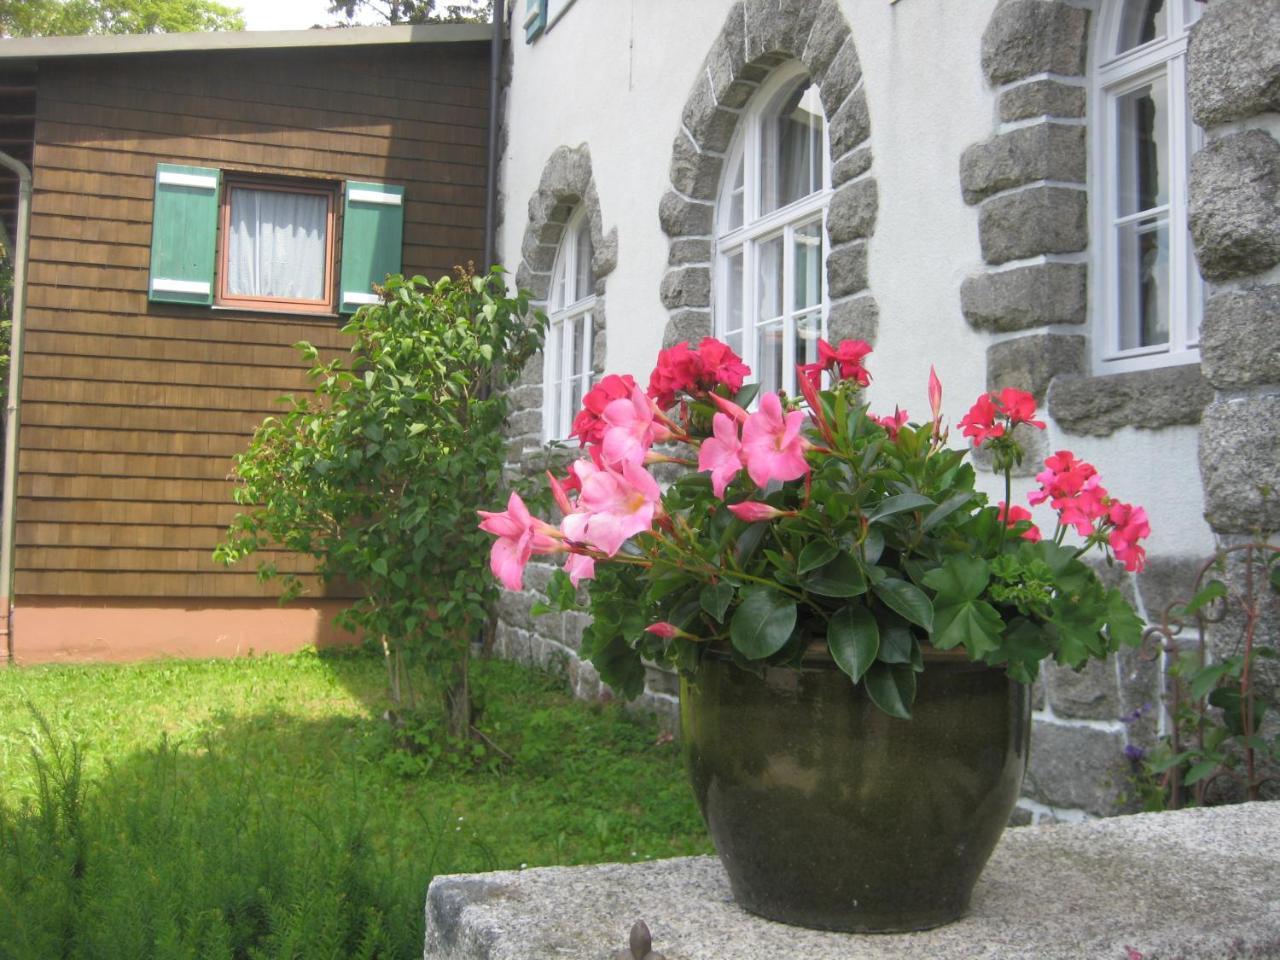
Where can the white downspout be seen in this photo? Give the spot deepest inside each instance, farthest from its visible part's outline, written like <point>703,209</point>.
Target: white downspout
<point>19,255</point>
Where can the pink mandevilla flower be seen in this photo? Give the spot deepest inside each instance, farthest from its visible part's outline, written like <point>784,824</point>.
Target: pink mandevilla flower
<point>892,424</point>
<point>935,399</point>
<point>520,535</point>
<point>755,512</point>
<point>631,429</point>
<point>616,503</point>
<point>588,425</point>
<point>772,447</point>
<point>579,567</point>
<point>721,453</point>
<point>1129,525</point>
<point>662,629</point>
<point>1015,515</point>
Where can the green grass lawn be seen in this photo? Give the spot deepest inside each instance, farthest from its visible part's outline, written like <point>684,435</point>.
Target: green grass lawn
<point>258,808</point>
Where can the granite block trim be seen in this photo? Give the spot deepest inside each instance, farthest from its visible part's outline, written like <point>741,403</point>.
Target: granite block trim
<point>1147,399</point>
<point>758,35</point>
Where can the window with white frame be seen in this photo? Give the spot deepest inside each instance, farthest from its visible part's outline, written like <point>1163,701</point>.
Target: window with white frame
<point>567,352</point>
<point>770,303</point>
<point>1148,293</point>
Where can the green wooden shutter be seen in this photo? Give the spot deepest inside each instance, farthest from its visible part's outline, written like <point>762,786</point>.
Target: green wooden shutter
<point>372,238</point>
<point>184,234</point>
<point>535,19</point>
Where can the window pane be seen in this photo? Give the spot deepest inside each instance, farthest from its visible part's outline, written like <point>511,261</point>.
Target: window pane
<point>1143,142</point>
<point>735,198</point>
<point>807,262</point>
<point>574,328</point>
<point>555,377</point>
<point>808,330</point>
<point>1141,22</point>
<point>1144,284</point>
<point>791,150</point>
<point>733,294</point>
<point>769,279</point>
<point>769,353</point>
<point>584,277</point>
<point>277,244</point>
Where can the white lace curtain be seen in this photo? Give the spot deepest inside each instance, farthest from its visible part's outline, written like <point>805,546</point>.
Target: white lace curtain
<point>277,244</point>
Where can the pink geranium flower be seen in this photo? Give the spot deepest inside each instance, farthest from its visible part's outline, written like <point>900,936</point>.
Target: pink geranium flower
<point>1129,525</point>
<point>721,453</point>
<point>772,447</point>
<point>616,503</point>
<point>1012,517</point>
<point>980,422</point>
<point>520,535</point>
<point>721,366</point>
<point>845,360</point>
<point>589,425</point>
<point>1019,406</point>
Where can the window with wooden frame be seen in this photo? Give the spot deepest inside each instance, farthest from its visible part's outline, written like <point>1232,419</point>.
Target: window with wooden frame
<point>566,370</point>
<point>770,291</point>
<point>276,249</point>
<point>1148,295</point>
<point>254,243</point>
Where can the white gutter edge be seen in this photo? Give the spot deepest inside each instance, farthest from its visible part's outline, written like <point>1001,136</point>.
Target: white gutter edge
<point>11,420</point>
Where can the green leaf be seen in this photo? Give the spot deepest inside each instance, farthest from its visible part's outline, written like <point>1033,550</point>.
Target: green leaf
<point>1199,771</point>
<point>974,623</point>
<point>763,622</point>
<point>896,642</point>
<point>842,577</point>
<point>906,600</point>
<point>1124,626</point>
<point>1214,590</point>
<point>379,566</point>
<point>715,599</point>
<point>815,554</point>
<point>946,508</point>
<point>854,639</point>
<point>960,578</point>
<point>1206,679</point>
<point>892,688</point>
<point>899,504</point>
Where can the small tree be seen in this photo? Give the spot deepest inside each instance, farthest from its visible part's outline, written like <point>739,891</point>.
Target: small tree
<point>378,474</point>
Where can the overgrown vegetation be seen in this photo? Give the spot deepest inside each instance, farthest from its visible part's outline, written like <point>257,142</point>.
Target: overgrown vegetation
<point>379,473</point>
<point>255,808</point>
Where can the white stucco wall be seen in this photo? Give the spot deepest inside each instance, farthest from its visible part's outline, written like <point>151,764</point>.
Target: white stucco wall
<point>615,74</point>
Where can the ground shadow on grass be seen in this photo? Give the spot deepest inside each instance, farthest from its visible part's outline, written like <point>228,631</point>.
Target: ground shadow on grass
<point>273,835</point>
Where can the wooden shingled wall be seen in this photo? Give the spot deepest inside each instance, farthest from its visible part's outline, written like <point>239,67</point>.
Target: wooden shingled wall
<point>131,411</point>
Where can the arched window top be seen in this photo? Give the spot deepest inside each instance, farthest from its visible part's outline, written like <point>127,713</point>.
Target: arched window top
<point>571,300</point>
<point>1131,25</point>
<point>770,289</point>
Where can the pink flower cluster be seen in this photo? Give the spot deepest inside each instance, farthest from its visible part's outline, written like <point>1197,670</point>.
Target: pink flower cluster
<point>993,416</point>
<point>844,363</point>
<point>681,369</point>
<point>1073,488</point>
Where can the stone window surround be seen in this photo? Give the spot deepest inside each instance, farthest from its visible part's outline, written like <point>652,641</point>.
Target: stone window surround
<point>1030,181</point>
<point>758,36</point>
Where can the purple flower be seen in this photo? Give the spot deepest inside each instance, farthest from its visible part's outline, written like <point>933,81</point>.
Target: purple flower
<point>1135,753</point>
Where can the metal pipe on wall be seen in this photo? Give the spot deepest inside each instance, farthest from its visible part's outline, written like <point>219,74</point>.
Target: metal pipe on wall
<point>490,255</point>
<point>11,418</point>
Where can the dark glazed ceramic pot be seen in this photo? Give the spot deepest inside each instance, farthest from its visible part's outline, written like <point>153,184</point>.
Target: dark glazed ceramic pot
<point>829,814</point>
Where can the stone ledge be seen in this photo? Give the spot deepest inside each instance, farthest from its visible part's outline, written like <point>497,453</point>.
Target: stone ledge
<point>1147,399</point>
<point>1195,885</point>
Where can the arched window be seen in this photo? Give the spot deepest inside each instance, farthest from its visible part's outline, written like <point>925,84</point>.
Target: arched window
<point>770,303</point>
<point>1148,293</point>
<point>566,369</point>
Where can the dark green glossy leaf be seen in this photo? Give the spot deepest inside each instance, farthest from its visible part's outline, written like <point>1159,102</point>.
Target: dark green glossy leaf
<point>763,622</point>
<point>896,642</point>
<point>715,599</point>
<point>946,508</point>
<point>898,504</point>
<point>1199,771</point>
<point>854,639</point>
<point>815,554</point>
<point>907,600</point>
<point>892,688</point>
<point>842,577</point>
<point>1214,590</point>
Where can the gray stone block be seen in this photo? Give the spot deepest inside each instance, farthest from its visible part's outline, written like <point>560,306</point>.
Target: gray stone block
<point>850,126</point>
<point>686,287</point>
<point>1233,61</point>
<point>829,33</point>
<point>852,214</point>
<point>1042,98</point>
<point>710,125</point>
<point>1003,301</point>
<point>525,423</point>
<point>1035,447</point>
<point>1032,222</point>
<point>1045,151</point>
<point>841,77</point>
<point>1025,37</point>
<point>539,256</point>
<point>725,62</point>
<point>1091,693</point>
<point>847,269</point>
<point>1235,205</point>
<point>687,250</point>
<point>852,165</point>
<point>687,326</point>
<point>1240,464</point>
<point>684,218</point>
<point>1148,399</point>
<point>798,17</point>
<point>857,318</point>
<point>537,284</point>
<point>568,171</point>
<point>1030,363</point>
<point>694,173</point>
<point>605,255</point>
<point>1240,338</point>
<point>1076,767</point>
<point>1078,891</point>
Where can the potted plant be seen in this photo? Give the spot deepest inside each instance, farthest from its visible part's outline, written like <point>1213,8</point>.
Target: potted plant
<point>854,625</point>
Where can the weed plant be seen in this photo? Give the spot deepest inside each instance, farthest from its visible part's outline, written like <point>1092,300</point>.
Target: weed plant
<point>261,808</point>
